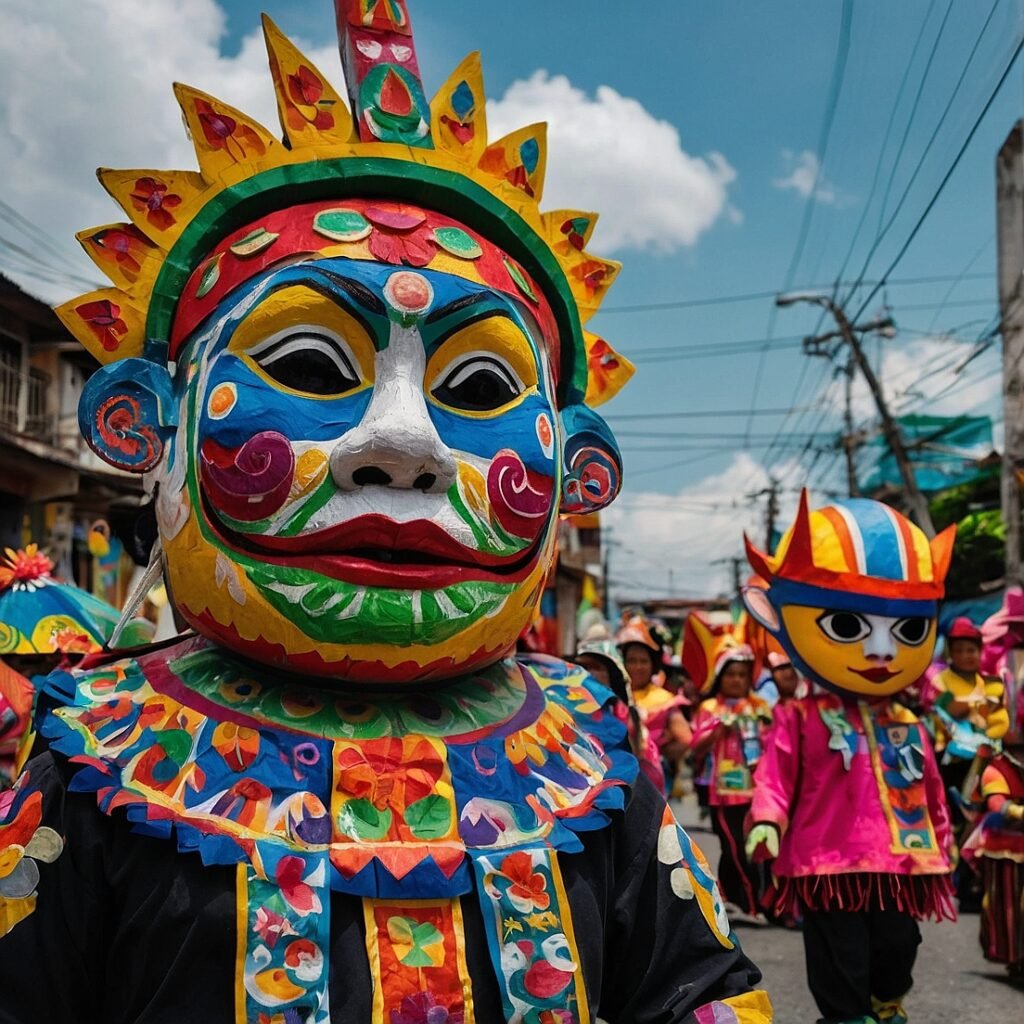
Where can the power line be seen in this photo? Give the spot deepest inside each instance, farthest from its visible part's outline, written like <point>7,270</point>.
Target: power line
<point>883,231</point>
<point>835,89</point>
<point>946,177</point>
<point>694,414</point>
<point>881,152</point>
<point>723,300</point>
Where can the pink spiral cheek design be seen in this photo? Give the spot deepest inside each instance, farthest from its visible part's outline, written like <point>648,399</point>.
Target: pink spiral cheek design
<point>521,499</point>
<point>251,482</point>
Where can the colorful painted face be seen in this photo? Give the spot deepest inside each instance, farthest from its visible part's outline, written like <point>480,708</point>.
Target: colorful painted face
<point>853,596</point>
<point>861,653</point>
<point>365,478</point>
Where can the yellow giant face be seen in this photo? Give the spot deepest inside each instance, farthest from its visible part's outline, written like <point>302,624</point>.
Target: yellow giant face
<point>861,653</point>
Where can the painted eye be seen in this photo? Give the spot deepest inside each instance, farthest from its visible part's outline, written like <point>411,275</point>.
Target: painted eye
<point>314,363</point>
<point>913,631</point>
<point>844,627</point>
<point>478,384</point>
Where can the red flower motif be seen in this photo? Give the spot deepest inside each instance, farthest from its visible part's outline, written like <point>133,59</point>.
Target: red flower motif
<point>401,235</point>
<point>306,90</point>
<point>528,891</point>
<point>388,774</point>
<point>124,246</point>
<point>221,131</point>
<point>23,566</point>
<point>153,196</point>
<point>104,317</point>
<point>300,896</point>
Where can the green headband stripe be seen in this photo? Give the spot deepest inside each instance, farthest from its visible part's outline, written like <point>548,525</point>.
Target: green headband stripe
<point>371,178</point>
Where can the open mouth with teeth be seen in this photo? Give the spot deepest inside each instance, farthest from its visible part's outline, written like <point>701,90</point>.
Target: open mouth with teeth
<point>375,551</point>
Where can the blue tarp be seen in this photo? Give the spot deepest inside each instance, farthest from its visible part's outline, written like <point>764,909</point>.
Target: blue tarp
<point>943,449</point>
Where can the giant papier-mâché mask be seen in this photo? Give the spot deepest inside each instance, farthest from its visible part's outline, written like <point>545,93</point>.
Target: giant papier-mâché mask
<point>852,595</point>
<point>354,366</point>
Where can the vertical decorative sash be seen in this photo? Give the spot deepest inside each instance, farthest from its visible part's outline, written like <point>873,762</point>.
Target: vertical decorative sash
<point>283,941</point>
<point>530,937</point>
<point>417,954</point>
<point>896,747</point>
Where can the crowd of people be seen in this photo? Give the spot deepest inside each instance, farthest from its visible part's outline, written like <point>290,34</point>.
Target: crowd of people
<point>734,738</point>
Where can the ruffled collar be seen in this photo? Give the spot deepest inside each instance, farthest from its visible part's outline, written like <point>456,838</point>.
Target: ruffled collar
<point>238,763</point>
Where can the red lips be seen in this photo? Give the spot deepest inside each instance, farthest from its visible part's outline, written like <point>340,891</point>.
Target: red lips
<point>880,674</point>
<point>378,551</point>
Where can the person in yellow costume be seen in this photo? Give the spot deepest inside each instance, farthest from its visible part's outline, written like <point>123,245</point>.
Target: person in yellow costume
<point>967,706</point>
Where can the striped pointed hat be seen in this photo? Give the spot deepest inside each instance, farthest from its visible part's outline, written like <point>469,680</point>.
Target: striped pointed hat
<point>857,548</point>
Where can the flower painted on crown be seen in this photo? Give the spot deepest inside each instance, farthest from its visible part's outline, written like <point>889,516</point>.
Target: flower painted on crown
<point>852,595</point>
<point>355,362</point>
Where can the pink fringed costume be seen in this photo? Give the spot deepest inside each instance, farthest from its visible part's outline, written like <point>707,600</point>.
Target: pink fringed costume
<point>855,792</point>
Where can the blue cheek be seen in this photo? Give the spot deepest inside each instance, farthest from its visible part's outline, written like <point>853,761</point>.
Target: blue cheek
<point>260,406</point>
<point>515,429</point>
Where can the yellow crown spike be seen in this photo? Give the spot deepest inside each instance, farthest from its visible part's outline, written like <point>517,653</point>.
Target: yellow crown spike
<point>590,277</point>
<point>458,113</point>
<point>225,139</point>
<point>106,323</point>
<point>125,255</point>
<point>568,231</point>
<point>608,371</point>
<point>311,112</point>
<point>519,160</point>
<point>159,203</point>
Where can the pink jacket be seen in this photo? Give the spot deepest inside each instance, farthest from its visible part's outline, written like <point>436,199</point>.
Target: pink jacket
<point>885,812</point>
<point>736,749</point>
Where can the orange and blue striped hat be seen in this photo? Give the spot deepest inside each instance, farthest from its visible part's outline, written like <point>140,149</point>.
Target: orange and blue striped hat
<point>859,549</point>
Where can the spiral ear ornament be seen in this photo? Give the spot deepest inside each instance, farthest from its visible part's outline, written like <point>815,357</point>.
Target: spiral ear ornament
<point>593,466</point>
<point>127,412</point>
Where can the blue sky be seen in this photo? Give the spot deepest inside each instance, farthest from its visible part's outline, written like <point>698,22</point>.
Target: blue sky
<point>750,82</point>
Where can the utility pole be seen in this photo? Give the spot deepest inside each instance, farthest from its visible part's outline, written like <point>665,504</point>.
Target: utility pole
<point>737,564</point>
<point>771,512</point>
<point>850,439</point>
<point>1010,250</point>
<point>847,332</point>
<point>606,564</point>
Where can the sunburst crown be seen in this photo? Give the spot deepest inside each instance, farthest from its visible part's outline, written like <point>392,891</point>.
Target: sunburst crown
<point>388,144</point>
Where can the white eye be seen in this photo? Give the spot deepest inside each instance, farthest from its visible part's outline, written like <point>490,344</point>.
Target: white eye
<point>845,627</point>
<point>308,360</point>
<point>478,382</point>
<point>912,631</point>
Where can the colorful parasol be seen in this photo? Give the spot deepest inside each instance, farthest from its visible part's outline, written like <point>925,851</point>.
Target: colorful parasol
<point>39,615</point>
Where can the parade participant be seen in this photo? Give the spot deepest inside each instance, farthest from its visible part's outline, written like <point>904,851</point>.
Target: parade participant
<point>967,707</point>
<point>784,676</point>
<point>728,729</point>
<point>660,709</point>
<point>969,721</point>
<point>996,849</point>
<point>848,800</point>
<point>354,368</point>
<point>601,658</point>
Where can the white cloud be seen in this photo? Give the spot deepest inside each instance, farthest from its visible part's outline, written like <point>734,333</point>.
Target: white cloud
<point>607,153</point>
<point>87,83</point>
<point>924,375</point>
<point>803,176</point>
<point>687,532</point>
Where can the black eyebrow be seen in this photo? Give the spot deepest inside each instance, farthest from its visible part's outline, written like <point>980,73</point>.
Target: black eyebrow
<point>356,291</point>
<point>455,306</point>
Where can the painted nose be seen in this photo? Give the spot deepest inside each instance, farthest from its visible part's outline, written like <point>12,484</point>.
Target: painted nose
<point>395,444</point>
<point>880,645</point>
<point>393,452</point>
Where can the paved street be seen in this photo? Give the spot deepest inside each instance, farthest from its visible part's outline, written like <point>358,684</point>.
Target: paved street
<point>953,983</point>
